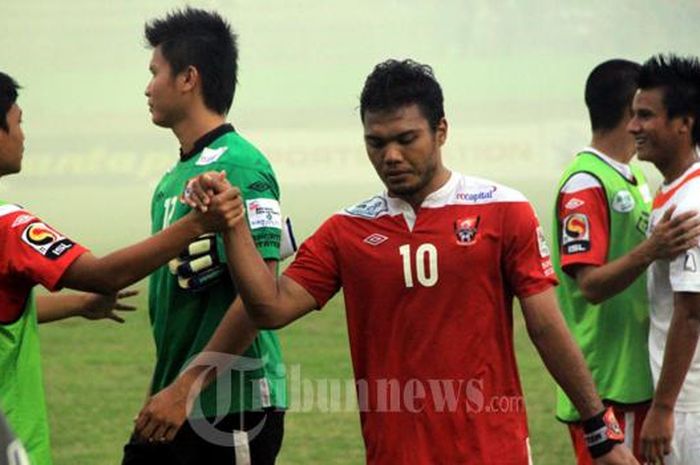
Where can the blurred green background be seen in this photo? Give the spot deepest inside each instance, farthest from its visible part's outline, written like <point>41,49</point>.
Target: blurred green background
<point>512,73</point>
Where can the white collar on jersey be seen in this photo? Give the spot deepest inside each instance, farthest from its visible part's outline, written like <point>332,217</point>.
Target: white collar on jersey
<point>435,198</point>
<point>622,168</point>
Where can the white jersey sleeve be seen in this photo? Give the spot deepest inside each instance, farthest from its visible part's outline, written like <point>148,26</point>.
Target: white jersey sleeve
<point>685,268</point>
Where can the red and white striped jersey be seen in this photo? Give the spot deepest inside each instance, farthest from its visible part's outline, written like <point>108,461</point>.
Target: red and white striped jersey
<point>428,297</point>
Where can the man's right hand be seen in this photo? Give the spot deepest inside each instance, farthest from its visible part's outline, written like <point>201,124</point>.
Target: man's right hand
<point>223,208</point>
<point>618,455</point>
<point>673,236</point>
<point>201,190</point>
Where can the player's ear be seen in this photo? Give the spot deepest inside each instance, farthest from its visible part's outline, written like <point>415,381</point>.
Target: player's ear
<point>441,131</point>
<point>189,78</point>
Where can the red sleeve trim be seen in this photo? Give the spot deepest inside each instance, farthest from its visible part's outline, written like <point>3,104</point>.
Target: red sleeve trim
<point>537,288</point>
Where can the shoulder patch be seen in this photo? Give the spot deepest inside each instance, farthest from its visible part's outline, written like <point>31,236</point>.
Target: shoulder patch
<point>210,156</point>
<point>46,241</point>
<point>264,213</point>
<point>371,208</point>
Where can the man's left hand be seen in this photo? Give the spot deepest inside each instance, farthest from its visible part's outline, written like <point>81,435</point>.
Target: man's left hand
<point>105,306</point>
<point>656,435</point>
<point>163,415</point>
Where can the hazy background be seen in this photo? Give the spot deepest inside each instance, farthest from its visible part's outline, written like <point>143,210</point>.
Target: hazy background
<point>512,73</point>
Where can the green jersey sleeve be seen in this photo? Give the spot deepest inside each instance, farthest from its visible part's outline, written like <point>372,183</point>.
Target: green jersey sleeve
<point>261,199</point>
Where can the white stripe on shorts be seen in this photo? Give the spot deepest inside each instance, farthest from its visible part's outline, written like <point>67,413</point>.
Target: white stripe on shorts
<point>241,447</point>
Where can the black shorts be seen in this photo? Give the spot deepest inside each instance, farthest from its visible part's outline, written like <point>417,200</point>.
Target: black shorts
<point>257,436</point>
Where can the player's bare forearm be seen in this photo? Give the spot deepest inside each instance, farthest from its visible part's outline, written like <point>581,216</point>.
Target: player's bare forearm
<point>128,265</point>
<point>57,307</point>
<point>559,351</point>
<point>670,237</point>
<point>682,339</point>
<point>235,333</point>
<point>599,283</point>
<point>87,305</point>
<point>271,302</point>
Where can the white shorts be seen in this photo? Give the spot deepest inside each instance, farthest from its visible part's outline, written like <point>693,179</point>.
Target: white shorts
<point>685,447</point>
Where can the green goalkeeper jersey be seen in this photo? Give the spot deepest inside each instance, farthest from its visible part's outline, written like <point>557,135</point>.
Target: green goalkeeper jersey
<point>183,321</point>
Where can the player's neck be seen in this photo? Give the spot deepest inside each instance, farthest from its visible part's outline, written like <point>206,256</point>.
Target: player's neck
<point>415,200</point>
<point>676,166</point>
<point>193,127</point>
<point>616,144</point>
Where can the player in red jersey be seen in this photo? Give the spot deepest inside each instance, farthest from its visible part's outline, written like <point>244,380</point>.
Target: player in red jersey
<point>428,270</point>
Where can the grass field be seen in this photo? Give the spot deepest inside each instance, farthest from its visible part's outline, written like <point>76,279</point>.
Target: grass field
<point>96,376</point>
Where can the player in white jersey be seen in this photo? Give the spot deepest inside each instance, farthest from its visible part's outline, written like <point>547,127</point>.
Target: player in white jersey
<point>666,130</point>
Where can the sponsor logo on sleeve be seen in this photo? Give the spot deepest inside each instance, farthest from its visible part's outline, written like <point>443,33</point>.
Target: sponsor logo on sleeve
<point>576,234</point>
<point>690,264</point>
<point>574,203</point>
<point>467,230</point>
<point>623,202</point>
<point>542,243</point>
<point>210,156</point>
<point>46,241</point>
<point>264,213</point>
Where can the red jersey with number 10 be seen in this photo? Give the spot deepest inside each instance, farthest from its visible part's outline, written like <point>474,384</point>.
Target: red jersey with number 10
<point>429,310</point>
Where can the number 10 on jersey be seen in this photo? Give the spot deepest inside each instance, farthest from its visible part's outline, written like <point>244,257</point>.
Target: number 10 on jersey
<point>426,264</point>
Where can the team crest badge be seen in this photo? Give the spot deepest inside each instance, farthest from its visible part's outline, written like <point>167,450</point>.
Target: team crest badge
<point>467,229</point>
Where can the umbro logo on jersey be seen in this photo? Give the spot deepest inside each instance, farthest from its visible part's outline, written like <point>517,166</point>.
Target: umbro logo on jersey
<point>690,263</point>
<point>375,239</point>
<point>574,203</point>
<point>22,219</point>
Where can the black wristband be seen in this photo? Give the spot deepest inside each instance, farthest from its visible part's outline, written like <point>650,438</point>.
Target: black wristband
<point>602,433</point>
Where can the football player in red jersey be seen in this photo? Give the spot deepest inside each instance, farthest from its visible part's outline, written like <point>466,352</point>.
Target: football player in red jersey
<point>429,269</point>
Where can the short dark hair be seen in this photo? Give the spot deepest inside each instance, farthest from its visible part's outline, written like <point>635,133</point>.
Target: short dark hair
<point>203,39</point>
<point>610,89</point>
<point>394,84</point>
<point>679,78</point>
<point>8,97</point>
